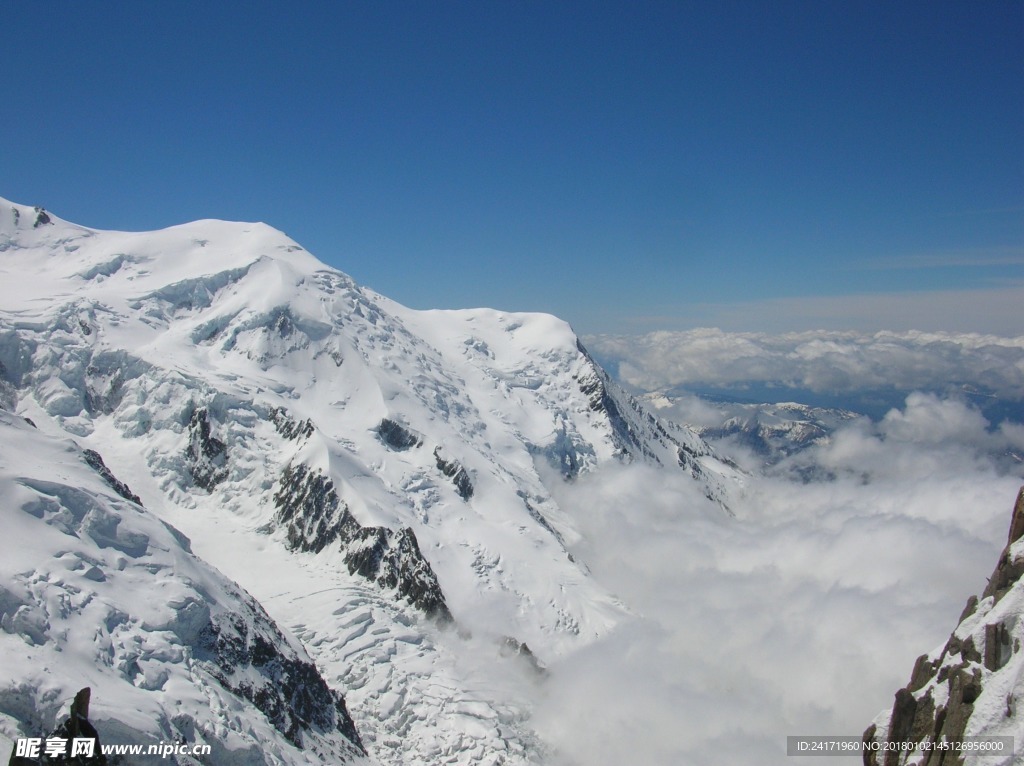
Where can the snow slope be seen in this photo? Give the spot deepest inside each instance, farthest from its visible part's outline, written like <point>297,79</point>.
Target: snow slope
<point>772,432</point>
<point>98,592</point>
<point>379,478</point>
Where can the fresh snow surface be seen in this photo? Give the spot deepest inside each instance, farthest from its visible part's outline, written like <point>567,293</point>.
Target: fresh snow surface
<point>205,360</point>
<point>96,591</point>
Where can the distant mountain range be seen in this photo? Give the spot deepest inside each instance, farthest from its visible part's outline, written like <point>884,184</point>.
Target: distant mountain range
<point>771,431</point>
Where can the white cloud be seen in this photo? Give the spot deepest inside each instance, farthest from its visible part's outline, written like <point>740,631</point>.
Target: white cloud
<point>801,615</point>
<point>821,361</point>
<point>926,419</point>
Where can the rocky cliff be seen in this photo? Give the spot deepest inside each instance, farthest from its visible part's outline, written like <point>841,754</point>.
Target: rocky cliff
<point>971,686</point>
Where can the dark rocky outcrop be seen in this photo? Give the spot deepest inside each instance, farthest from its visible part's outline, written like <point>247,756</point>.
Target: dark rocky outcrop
<point>594,385</point>
<point>289,691</point>
<point>636,433</point>
<point>393,559</point>
<point>207,455</point>
<point>962,667</point>
<point>315,516</point>
<point>309,507</point>
<point>209,635</point>
<point>95,461</point>
<point>75,727</point>
<point>453,470</point>
<point>288,427</point>
<point>8,393</point>
<point>1009,570</point>
<point>397,436</point>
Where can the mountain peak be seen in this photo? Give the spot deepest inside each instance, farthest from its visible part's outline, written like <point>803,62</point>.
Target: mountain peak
<point>23,218</point>
<point>325,445</point>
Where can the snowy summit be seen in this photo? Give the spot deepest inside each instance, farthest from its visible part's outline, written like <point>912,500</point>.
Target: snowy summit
<point>256,505</point>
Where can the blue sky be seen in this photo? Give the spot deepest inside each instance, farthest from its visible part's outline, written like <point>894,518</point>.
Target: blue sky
<point>627,166</point>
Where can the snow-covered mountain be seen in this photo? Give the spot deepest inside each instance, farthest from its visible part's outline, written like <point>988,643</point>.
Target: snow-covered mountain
<point>972,686</point>
<point>776,431</point>
<point>772,431</point>
<point>96,591</point>
<point>378,478</point>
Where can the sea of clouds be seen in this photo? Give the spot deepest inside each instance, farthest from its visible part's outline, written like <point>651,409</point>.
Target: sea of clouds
<point>820,361</point>
<point>802,611</point>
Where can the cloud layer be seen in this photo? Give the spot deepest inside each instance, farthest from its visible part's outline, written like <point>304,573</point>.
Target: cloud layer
<point>801,615</point>
<point>819,361</point>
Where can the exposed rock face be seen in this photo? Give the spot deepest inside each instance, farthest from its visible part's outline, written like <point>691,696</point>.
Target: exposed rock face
<point>288,427</point>
<point>288,690</point>
<point>970,687</point>
<point>206,453</point>
<point>315,517</point>
<point>393,560</point>
<point>193,359</point>
<point>636,432</point>
<point>512,647</point>
<point>453,470</point>
<point>8,393</point>
<point>95,461</point>
<point>96,586</point>
<point>76,726</point>
<point>397,436</point>
<point>311,510</point>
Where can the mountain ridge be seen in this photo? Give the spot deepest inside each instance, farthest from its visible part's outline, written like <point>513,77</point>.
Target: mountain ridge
<point>398,459</point>
<point>98,584</point>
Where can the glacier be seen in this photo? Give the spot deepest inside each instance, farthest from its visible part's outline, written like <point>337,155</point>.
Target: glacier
<point>381,480</point>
